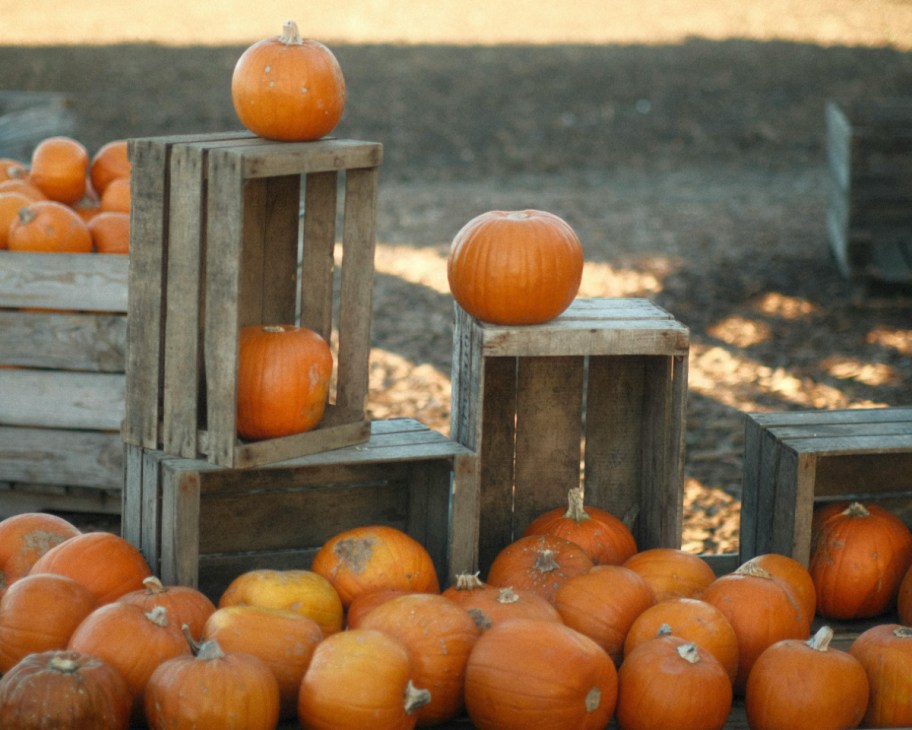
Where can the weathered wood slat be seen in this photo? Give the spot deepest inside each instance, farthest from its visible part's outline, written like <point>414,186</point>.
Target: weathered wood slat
<point>54,399</point>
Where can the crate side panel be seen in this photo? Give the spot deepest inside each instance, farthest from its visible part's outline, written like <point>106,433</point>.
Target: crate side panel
<point>55,399</point>
<point>317,258</point>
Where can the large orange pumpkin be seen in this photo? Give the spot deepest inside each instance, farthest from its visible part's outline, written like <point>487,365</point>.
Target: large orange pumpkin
<point>490,605</point>
<point>794,574</point>
<point>283,378</point>
<point>26,537</point>
<point>539,563</point>
<point>885,652</point>
<point>515,267</point>
<point>186,605</point>
<point>288,88</point>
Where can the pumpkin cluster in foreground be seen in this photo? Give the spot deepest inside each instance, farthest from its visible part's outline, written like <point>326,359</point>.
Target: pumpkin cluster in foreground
<point>561,634</point>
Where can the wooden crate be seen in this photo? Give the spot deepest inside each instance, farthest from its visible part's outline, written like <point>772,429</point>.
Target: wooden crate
<point>869,218</point>
<point>596,397</point>
<point>796,459</point>
<point>199,524</point>
<point>62,343</point>
<point>219,242</point>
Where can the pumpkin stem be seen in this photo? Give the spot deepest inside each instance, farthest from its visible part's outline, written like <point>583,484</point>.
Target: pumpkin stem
<point>63,664</point>
<point>856,509</point>
<point>27,215</point>
<point>158,616</point>
<point>753,570</point>
<point>290,35</point>
<point>210,650</point>
<point>415,698</point>
<point>545,562</point>
<point>576,509</point>
<point>664,630</point>
<point>593,699</point>
<point>903,632</point>
<point>468,582</point>
<point>154,585</point>
<point>507,595</point>
<point>195,646</point>
<point>821,640</point>
<point>689,652</point>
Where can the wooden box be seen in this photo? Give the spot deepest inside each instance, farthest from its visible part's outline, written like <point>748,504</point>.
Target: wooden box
<point>596,397</point>
<point>793,460</point>
<point>199,524</point>
<point>219,241</point>
<point>62,343</point>
<point>869,218</point>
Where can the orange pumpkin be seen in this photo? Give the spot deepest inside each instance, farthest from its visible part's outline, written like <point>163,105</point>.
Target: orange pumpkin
<point>375,663</point>
<point>13,169</point>
<point>108,163</point>
<point>539,563</point>
<point>110,232</point>
<point>526,673</point>
<point>793,681</point>
<point>375,557</point>
<point>59,168</point>
<point>605,538</point>
<point>490,605</point>
<point>26,537</point>
<point>10,203</point>
<point>515,267</point>
<point>283,377</point>
<point>64,690</point>
<point>859,560</point>
<point>46,226</point>
<point>214,689</point>
<point>885,652</point>
<point>603,604</point>
<point>23,187</point>
<point>794,574</point>
<point>668,682</point>
<point>364,603</point>
<point>672,572</point>
<point>186,605</point>
<point>305,592</point>
<point>904,599</point>
<point>693,620</point>
<point>105,563</point>
<point>288,88</point>
<point>117,196</point>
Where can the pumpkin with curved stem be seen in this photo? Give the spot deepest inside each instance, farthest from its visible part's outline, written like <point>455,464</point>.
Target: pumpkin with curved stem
<point>46,226</point>
<point>214,689</point>
<point>672,572</point>
<point>794,680</point>
<point>59,168</point>
<point>518,677</point>
<point>64,690</point>
<point>283,379</point>
<point>885,652</point>
<point>490,605</point>
<point>186,605</point>
<point>288,88</point>
<point>605,538</point>
<point>539,563</point>
<point>668,682</point>
<point>517,267</point>
<point>26,537</point>
<point>859,560</point>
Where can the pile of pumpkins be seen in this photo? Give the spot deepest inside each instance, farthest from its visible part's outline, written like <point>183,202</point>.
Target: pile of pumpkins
<point>572,627</point>
<point>62,200</point>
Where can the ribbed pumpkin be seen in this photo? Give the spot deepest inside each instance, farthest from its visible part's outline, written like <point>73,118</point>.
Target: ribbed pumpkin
<point>672,572</point>
<point>64,690</point>
<point>186,605</point>
<point>793,681</point>
<point>288,88</point>
<point>604,537</point>
<point>489,605</point>
<point>363,603</point>
<point>47,226</point>
<point>885,652</point>
<point>539,563</point>
<point>668,682</point>
<point>794,574</point>
<point>516,267</point>
<point>283,378</point>
<point>859,560</point>
<point>26,537</point>
<point>539,674</point>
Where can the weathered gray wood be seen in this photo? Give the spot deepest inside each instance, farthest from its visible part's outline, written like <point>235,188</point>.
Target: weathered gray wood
<point>55,399</point>
<point>180,527</point>
<point>317,257</point>
<point>25,497</point>
<point>131,497</point>
<point>303,158</point>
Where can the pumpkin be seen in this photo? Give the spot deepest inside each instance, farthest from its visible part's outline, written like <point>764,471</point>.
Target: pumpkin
<point>131,640</point>
<point>117,196</point>
<point>859,560</point>
<point>885,652</point>
<point>13,169</point>
<point>672,572</point>
<point>794,574</point>
<point>64,690</point>
<point>303,591</point>
<point>693,620</point>
<point>59,168</point>
<point>110,232</point>
<point>105,563</point>
<point>10,204</point>
<point>108,163</point>
<point>46,226</point>
<point>283,378</point>
<point>26,537</point>
<point>904,599</point>
<point>518,676</point>
<point>375,557</point>
<point>23,187</point>
<point>668,682</point>
<point>213,689</point>
<point>439,636</point>
<point>87,207</point>
<point>603,604</point>
<point>794,680</point>
<point>605,538</point>
<point>489,605</point>
<point>186,605</point>
<point>364,603</point>
<point>761,609</point>
<point>375,664</point>
<point>283,640</point>
<point>39,613</point>
<point>288,88</point>
<point>516,267</point>
<point>539,563</point>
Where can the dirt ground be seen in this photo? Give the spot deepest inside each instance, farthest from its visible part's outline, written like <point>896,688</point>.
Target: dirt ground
<point>694,172</point>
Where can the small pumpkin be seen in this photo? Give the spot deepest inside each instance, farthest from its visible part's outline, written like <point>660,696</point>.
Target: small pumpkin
<point>59,168</point>
<point>283,379</point>
<point>23,187</point>
<point>672,572</point>
<point>47,226</point>
<point>117,196</point>
<point>186,605</point>
<point>64,690</point>
<point>604,537</point>
<point>10,205</point>
<point>109,162</point>
<point>885,652</point>
<point>490,605</point>
<point>13,169</point>
<point>794,680</point>
<point>668,682</point>
<point>110,232</point>
<point>517,678</point>
<point>213,689</point>
<point>26,537</point>
<point>517,267</point>
<point>288,88</point>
